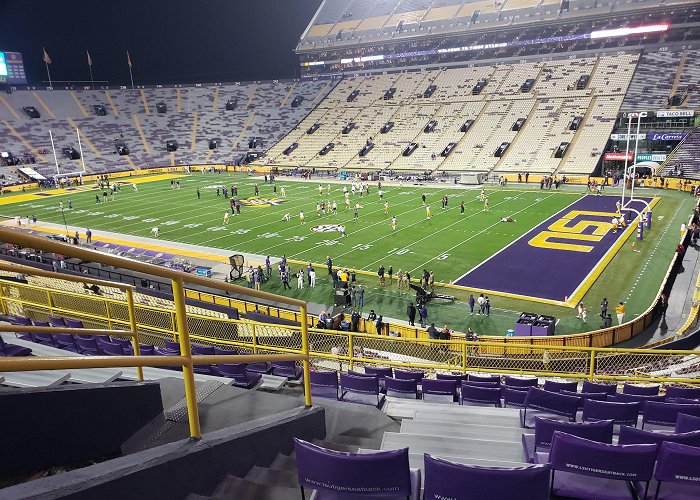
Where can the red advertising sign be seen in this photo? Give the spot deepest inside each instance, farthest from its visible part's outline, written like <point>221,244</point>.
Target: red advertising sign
<point>618,157</point>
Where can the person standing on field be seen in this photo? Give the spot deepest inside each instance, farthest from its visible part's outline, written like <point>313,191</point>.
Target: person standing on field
<point>620,311</point>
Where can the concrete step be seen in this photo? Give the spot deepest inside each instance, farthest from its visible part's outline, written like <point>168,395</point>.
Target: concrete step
<point>363,442</point>
<point>332,445</point>
<point>416,460</point>
<point>284,462</point>
<point>235,487</point>
<point>38,378</point>
<point>465,431</point>
<point>272,477</point>
<point>455,447</point>
<point>405,408</point>
<point>505,420</point>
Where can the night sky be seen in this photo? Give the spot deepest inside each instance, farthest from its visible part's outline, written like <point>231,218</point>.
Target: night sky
<point>174,41</point>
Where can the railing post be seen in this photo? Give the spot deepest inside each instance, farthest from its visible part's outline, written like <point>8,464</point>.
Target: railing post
<point>464,357</point>
<point>186,352</point>
<point>132,323</point>
<point>109,315</point>
<point>591,368</point>
<point>255,338</point>
<point>305,351</point>
<point>351,351</point>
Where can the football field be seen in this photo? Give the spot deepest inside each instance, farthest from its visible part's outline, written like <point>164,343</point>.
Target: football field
<point>449,243</point>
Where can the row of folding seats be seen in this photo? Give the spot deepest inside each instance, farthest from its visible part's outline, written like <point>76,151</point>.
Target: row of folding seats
<point>574,467</point>
<point>246,375</point>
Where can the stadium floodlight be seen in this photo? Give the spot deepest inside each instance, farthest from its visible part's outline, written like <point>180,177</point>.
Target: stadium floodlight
<point>654,28</point>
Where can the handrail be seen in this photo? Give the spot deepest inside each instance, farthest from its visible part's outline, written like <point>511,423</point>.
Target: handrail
<point>35,271</point>
<point>48,245</point>
<point>178,278</point>
<point>65,330</point>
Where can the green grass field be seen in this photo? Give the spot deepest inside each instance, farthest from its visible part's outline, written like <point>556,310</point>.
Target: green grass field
<point>448,244</point>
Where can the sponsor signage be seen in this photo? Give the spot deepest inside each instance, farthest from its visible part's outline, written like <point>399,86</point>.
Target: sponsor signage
<point>675,113</point>
<point>623,137</point>
<point>666,136</point>
<point>651,157</point>
<point>618,156</point>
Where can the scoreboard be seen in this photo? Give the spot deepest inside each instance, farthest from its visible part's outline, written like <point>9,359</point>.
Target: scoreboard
<point>12,68</point>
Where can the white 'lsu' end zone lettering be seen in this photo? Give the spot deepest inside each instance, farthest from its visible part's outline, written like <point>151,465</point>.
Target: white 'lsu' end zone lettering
<point>566,229</point>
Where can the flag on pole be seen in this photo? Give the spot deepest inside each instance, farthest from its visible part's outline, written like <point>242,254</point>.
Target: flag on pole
<point>89,58</point>
<point>128,59</point>
<point>47,59</point>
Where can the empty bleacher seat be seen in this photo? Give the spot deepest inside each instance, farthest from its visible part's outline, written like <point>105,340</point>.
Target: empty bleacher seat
<point>324,384</point>
<point>238,372</point>
<point>550,404</point>
<point>586,469</point>
<point>677,471</point>
<point>363,390</point>
<point>632,435</point>
<point>665,414</point>
<point>438,390</point>
<point>445,479</point>
<point>619,413</point>
<point>401,388</point>
<point>541,440</point>
<point>11,350</point>
<point>687,423</point>
<point>385,474</point>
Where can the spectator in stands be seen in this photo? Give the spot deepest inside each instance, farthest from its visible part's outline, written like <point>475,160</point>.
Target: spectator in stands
<point>432,332</point>
<point>379,324</point>
<point>355,319</point>
<point>372,316</point>
<point>423,315</point>
<point>445,333</point>
<point>411,312</point>
<point>335,324</point>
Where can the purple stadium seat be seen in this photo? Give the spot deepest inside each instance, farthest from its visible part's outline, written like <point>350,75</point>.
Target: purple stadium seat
<point>582,468</point>
<point>262,368</point>
<point>619,413</point>
<point>74,323</point>
<point>409,375</point>
<point>595,387</point>
<point>88,345</point>
<point>583,396</point>
<point>687,423</point>
<point>237,371</point>
<point>66,341</point>
<point>324,384</point>
<point>630,435</point>
<point>225,352</point>
<point>20,320</point>
<point>631,398</point>
<point>57,321</point>
<point>363,390</point>
<point>520,381</point>
<point>513,398</point>
<point>110,348</point>
<point>549,404</point>
<point>12,350</point>
<point>473,377</point>
<point>401,388</point>
<point>380,372</point>
<point>203,350</point>
<point>677,472</point>
<point>641,390</point>
<point>439,390</point>
<point>673,391</point>
<point>471,395</point>
<point>459,377</point>
<point>361,374</point>
<point>683,401</point>
<point>558,386</point>
<point>173,346</point>
<point>124,341</point>
<point>444,479</point>
<point>486,384</point>
<point>386,473</point>
<point>665,414</point>
<point>541,440</point>
<point>287,369</point>
<point>42,338</point>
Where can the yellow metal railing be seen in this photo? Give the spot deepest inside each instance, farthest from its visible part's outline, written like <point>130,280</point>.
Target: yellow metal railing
<point>181,323</point>
<point>349,350</point>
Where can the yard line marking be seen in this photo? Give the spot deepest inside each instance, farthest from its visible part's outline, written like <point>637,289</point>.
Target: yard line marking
<point>482,231</point>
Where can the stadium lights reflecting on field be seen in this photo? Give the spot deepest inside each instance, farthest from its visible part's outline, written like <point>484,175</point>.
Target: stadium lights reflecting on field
<point>629,31</point>
<point>612,33</point>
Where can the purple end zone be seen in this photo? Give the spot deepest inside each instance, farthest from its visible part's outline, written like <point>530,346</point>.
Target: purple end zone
<point>527,269</point>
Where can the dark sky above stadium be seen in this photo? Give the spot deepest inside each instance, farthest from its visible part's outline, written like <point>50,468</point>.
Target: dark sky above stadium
<point>169,41</point>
